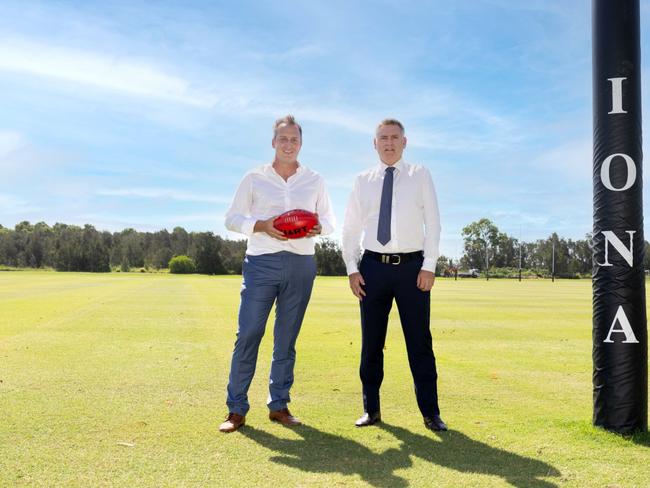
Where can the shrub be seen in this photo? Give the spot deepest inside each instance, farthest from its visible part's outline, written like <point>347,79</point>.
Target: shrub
<point>182,265</point>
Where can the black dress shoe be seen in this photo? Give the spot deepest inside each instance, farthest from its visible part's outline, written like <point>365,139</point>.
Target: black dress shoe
<point>368,419</point>
<point>434,423</point>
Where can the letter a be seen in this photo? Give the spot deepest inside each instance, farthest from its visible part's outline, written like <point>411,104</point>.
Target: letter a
<point>626,328</point>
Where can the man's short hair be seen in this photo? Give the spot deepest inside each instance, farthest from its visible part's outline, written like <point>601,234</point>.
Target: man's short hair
<point>390,122</point>
<point>286,120</point>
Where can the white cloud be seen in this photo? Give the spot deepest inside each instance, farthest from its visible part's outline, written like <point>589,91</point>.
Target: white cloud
<point>297,53</point>
<point>364,124</point>
<point>164,193</point>
<point>198,222</point>
<point>142,78</point>
<point>211,217</point>
<point>522,219</point>
<point>110,223</point>
<point>130,76</point>
<point>568,162</point>
<point>10,142</point>
<point>12,205</point>
<point>20,159</point>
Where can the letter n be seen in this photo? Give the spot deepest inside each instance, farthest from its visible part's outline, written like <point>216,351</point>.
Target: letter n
<point>611,238</point>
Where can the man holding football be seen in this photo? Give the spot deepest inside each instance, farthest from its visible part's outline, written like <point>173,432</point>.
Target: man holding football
<point>275,270</point>
<point>393,213</point>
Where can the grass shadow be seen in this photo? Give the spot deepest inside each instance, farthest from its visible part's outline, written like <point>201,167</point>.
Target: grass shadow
<point>457,451</point>
<point>641,438</point>
<point>321,452</point>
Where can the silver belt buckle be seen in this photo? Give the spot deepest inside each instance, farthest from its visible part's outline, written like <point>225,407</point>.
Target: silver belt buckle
<point>387,259</point>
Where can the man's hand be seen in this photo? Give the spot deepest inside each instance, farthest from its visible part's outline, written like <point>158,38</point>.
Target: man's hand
<point>356,283</point>
<point>316,230</point>
<point>425,280</point>
<point>266,226</point>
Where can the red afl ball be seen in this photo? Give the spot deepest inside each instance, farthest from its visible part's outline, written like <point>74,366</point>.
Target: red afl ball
<point>295,224</point>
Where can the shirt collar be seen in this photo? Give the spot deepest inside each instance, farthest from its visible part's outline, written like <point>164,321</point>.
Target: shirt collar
<point>399,165</point>
<point>271,170</point>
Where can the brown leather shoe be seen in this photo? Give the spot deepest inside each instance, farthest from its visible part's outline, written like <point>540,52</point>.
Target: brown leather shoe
<point>233,422</point>
<point>284,417</point>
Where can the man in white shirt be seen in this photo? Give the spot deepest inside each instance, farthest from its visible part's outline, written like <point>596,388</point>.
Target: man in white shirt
<point>393,213</point>
<point>275,270</point>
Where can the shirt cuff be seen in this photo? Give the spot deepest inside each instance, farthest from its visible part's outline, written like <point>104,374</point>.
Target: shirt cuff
<point>429,265</point>
<point>326,227</point>
<point>351,267</point>
<point>247,226</point>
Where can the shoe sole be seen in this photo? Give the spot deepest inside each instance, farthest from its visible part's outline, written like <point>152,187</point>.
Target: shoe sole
<point>369,424</point>
<point>233,430</point>
<point>286,425</point>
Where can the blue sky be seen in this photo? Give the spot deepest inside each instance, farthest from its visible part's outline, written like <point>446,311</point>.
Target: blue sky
<point>147,114</point>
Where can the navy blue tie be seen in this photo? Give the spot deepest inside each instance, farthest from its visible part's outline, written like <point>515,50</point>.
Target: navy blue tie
<point>383,229</point>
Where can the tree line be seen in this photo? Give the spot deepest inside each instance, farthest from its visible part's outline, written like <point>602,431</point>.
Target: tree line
<point>74,248</point>
<point>485,247</point>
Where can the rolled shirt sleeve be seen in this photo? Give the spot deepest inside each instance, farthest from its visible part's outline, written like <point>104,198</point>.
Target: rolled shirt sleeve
<point>238,216</point>
<point>325,211</point>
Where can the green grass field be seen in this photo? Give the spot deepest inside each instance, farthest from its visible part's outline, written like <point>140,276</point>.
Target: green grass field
<point>119,380</point>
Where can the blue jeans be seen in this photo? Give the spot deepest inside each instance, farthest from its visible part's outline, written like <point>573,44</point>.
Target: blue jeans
<point>286,279</point>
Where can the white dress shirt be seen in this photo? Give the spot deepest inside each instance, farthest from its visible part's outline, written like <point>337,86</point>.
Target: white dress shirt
<point>263,194</point>
<point>415,220</point>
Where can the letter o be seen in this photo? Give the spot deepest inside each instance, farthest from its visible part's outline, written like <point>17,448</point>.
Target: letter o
<point>631,172</point>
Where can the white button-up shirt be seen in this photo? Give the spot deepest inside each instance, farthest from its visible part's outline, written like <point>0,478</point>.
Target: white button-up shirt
<point>415,219</point>
<point>263,194</point>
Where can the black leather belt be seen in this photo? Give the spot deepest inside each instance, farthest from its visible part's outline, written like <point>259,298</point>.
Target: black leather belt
<point>398,258</point>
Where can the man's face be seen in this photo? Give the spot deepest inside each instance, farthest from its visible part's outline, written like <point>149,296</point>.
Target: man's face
<point>390,143</point>
<point>287,143</point>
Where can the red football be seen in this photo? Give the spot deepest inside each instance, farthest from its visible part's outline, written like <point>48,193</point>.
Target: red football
<point>295,224</point>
